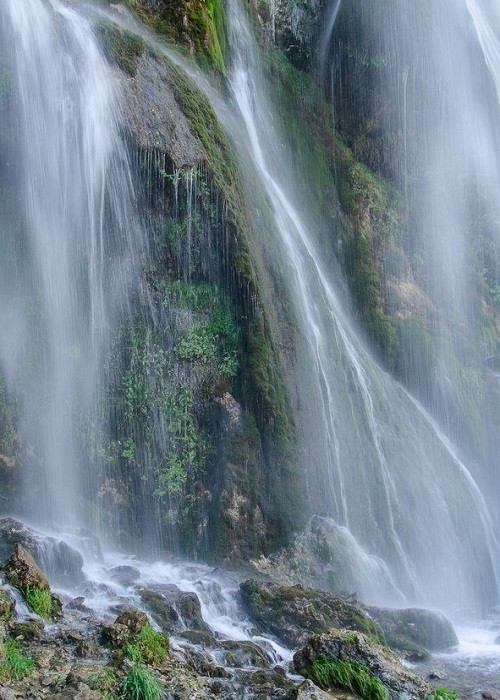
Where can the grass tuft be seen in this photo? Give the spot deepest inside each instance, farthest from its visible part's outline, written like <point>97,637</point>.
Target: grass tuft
<point>40,602</point>
<point>351,676</point>
<point>140,684</point>
<point>16,664</point>
<point>149,646</point>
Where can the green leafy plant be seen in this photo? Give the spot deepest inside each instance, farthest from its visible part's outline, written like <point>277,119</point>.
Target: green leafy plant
<point>348,675</point>
<point>17,665</point>
<point>141,684</point>
<point>40,601</point>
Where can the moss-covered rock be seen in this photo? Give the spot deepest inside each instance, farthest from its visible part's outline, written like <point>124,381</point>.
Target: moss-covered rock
<point>293,613</point>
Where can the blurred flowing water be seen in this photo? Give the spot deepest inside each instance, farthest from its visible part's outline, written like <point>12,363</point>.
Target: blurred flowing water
<point>69,241</point>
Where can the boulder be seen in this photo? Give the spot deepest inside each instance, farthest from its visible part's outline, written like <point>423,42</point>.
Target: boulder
<point>126,626</point>
<point>241,654</point>
<point>344,645</point>
<point>294,613</point>
<point>124,575</point>
<point>23,573</point>
<point>174,610</point>
<point>425,628</point>
<point>61,563</point>
<point>326,556</point>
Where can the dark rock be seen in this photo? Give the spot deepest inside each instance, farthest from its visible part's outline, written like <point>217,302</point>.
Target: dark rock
<point>267,684</point>
<point>203,664</point>
<point>78,604</point>
<point>202,639</point>
<point>294,613</point>
<point>124,575</point>
<point>133,619</point>
<point>241,654</point>
<point>88,649</point>
<point>61,563</point>
<point>115,635</point>
<point>23,573</point>
<point>343,645</point>
<point>29,631</point>
<point>173,609</point>
<point>126,626</point>
<point>425,628</point>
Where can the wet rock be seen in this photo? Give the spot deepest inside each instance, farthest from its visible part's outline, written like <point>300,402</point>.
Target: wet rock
<point>133,619</point>
<point>241,654</point>
<point>424,628</point>
<point>202,639</point>
<point>78,604</point>
<point>436,676</point>
<point>173,609</point>
<point>323,556</point>
<point>265,684</point>
<point>308,691</point>
<point>22,572</point>
<point>7,605</point>
<point>203,663</point>
<point>29,631</point>
<point>124,575</point>
<point>61,563</point>
<point>6,694</point>
<point>294,613</point>
<point>88,649</point>
<point>343,645</point>
<point>126,626</point>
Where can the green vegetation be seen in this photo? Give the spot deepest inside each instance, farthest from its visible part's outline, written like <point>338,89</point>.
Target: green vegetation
<point>15,665</point>
<point>197,25</point>
<point>141,684</point>
<point>149,646</point>
<point>189,446</point>
<point>120,47</point>
<point>350,676</point>
<point>40,601</point>
<point>444,694</point>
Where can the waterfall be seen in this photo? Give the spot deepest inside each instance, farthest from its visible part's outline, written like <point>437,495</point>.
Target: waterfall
<point>384,470</point>
<point>69,241</point>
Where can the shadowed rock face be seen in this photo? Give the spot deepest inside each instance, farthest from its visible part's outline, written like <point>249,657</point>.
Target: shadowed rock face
<point>342,645</point>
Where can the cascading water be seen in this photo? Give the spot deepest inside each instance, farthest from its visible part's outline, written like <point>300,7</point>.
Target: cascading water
<point>69,241</point>
<point>384,469</point>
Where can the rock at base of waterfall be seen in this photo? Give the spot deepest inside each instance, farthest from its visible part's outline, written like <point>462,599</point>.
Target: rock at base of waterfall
<point>173,609</point>
<point>294,613</point>
<point>344,645</point>
<point>405,629</point>
<point>23,573</point>
<point>61,563</point>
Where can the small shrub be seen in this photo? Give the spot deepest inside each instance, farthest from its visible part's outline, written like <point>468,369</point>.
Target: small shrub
<point>17,665</point>
<point>149,646</point>
<point>140,684</point>
<point>40,602</point>
<point>348,675</point>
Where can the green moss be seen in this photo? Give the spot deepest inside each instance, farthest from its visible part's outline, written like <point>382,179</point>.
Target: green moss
<point>15,665</point>
<point>198,25</point>
<point>349,676</point>
<point>120,46</point>
<point>444,694</point>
